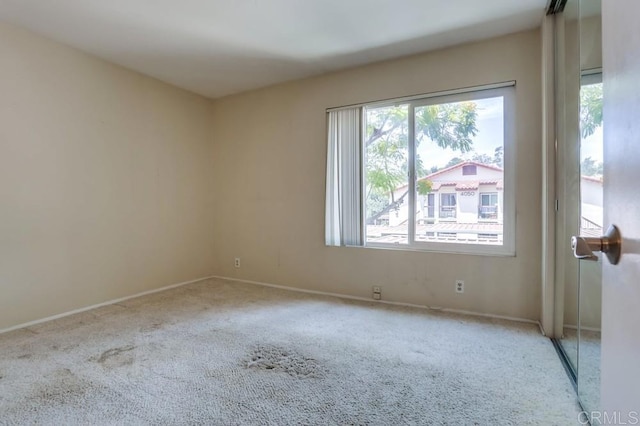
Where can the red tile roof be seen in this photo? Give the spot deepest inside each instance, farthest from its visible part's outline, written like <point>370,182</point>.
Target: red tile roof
<point>597,179</point>
<point>467,185</point>
<point>436,185</point>
<point>465,163</point>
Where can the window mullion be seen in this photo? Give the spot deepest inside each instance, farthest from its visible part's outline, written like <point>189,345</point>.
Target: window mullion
<point>412,175</point>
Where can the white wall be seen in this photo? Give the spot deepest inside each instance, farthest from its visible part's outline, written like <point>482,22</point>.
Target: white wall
<point>105,181</point>
<point>269,165</point>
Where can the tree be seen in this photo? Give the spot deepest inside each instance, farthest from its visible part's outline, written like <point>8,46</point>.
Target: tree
<point>448,125</point>
<point>496,160</point>
<point>482,158</point>
<point>591,167</point>
<point>386,143</point>
<point>498,157</point>
<point>424,186</point>
<point>590,109</point>
<point>453,162</point>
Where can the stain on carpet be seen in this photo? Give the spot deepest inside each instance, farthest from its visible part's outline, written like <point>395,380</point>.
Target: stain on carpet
<point>287,360</point>
<point>152,327</point>
<point>64,387</point>
<point>116,357</point>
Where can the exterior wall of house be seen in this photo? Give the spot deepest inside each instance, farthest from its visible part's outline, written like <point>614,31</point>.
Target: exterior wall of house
<point>467,200</point>
<point>591,191</point>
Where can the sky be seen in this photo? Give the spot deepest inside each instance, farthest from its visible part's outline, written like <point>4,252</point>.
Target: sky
<point>490,125</point>
<point>490,135</point>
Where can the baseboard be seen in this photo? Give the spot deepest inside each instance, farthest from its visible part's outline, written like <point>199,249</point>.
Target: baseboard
<point>110,302</point>
<point>573,327</point>
<point>386,302</point>
<point>282,287</point>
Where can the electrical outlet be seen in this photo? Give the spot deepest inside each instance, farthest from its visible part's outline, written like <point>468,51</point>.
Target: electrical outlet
<point>459,286</point>
<point>237,262</point>
<point>377,292</point>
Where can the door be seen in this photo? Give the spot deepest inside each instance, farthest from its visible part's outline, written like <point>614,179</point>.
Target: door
<point>620,381</point>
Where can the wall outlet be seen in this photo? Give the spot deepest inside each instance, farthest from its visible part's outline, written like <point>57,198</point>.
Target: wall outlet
<point>459,286</point>
<point>237,262</point>
<point>377,292</point>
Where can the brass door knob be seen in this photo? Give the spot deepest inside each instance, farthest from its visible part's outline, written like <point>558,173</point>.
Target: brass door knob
<point>610,244</point>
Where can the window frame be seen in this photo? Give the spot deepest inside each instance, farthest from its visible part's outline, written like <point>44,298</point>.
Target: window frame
<point>470,167</point>
<point>450,196</point>
<point>490,194</point>
<point>431,206</point>
<point>508,92</point>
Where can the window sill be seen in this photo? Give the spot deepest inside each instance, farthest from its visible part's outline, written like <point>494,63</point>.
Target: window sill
<point>490,250</point>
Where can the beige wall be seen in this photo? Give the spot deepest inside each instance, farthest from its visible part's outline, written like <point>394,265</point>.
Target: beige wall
<point>113,183</point>
<point>105,181</point>
<point>269,165</point>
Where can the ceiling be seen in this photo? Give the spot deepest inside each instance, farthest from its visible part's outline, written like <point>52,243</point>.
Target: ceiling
<point>220,47</point>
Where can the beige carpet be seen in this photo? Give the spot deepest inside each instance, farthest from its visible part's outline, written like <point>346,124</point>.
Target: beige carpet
<point>226,353</point>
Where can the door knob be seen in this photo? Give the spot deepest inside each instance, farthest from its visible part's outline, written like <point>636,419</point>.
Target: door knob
<point>610,244</point>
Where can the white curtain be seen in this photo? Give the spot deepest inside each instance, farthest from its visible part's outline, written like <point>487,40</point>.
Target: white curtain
<point>343,220</point>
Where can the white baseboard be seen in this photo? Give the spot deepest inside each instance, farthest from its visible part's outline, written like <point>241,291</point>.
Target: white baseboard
<point>386,302</point>
<point>575,327</point>
<point>282,287</point>
<point>110,302</point>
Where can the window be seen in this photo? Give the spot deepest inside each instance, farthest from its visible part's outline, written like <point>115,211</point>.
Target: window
<point>471,169</point>
<point>430,207</point>
<point>447,206</point>
<point>432,173</point>
<point>591,150</point>
<point>488,206</point>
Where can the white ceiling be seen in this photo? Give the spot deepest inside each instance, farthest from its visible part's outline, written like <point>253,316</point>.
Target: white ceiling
<point>220,47</point>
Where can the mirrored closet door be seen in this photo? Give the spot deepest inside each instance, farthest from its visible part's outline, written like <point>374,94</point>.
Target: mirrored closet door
<point>579,190</point>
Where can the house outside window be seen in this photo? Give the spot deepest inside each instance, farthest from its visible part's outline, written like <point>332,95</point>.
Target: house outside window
<point>427,173</point>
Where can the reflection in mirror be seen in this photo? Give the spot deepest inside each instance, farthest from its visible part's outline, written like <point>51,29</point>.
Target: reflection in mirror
<point>568,181</point>
<point>591,203</point>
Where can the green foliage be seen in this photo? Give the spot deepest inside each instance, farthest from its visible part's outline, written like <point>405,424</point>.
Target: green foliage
<point>448,125</point>
<point>376,203</point>
<point>386,146</point>
<point>496,160</point>
<point>424,186</point>
<point>387,155</point>
<point>482,158</point>
<point>591,167</point>
<point>498,157</point>
<point>590,109</point>
<point>453,162</point>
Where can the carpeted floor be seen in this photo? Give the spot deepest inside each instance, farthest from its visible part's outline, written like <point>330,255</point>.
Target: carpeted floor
<point>225,353</point>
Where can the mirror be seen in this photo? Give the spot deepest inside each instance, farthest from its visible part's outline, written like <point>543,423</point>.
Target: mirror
<point>567,75</point>
<point>591,203</point>
<point>579,189</point>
